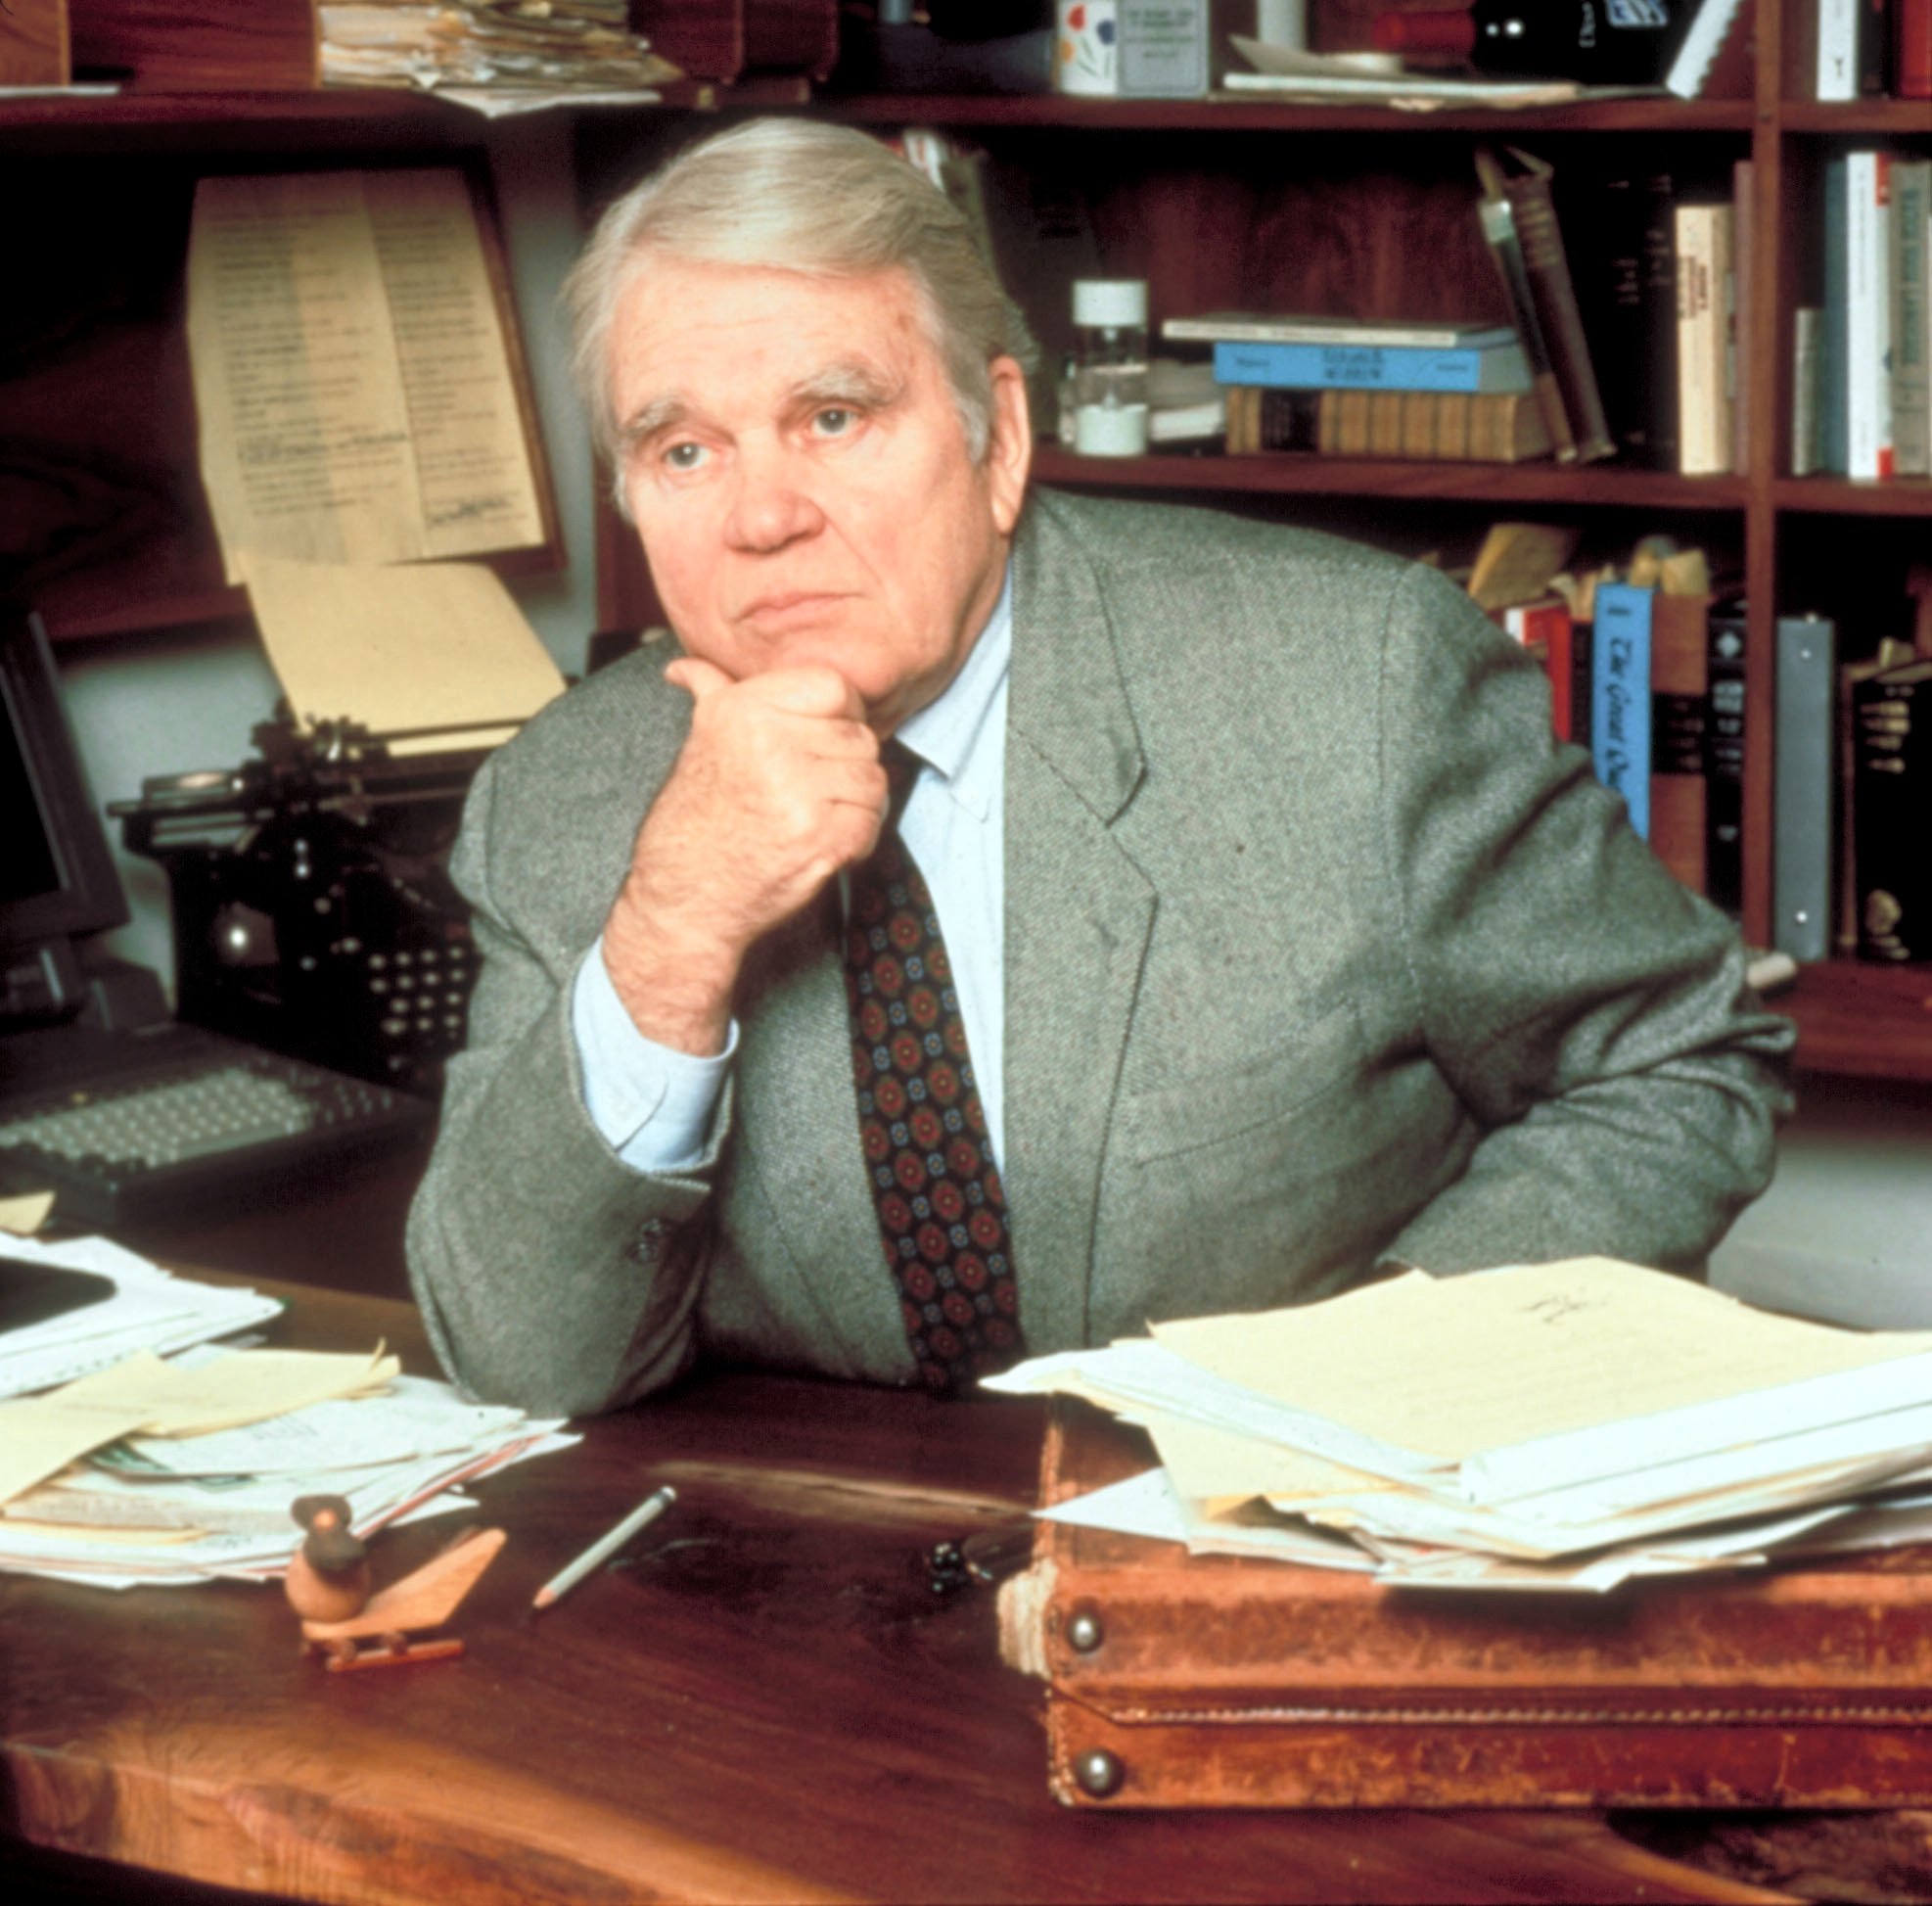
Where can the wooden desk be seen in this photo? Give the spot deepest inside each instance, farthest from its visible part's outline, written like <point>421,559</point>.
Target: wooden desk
<point>767,1703</point>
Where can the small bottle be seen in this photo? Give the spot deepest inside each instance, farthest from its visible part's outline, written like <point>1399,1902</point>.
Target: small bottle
<point>1110,366</point>
<point>1600,42</point>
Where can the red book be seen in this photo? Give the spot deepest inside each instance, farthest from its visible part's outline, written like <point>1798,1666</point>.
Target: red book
<point>1912,51</point>
<point>1544,627</point>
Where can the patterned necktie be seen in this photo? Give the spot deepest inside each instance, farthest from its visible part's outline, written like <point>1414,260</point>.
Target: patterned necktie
<point>942,1211</point>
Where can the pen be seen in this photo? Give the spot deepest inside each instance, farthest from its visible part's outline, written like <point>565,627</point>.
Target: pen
<point>567,1578</point>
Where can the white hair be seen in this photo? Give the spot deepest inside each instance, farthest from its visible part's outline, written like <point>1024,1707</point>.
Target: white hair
<point>798,195</point>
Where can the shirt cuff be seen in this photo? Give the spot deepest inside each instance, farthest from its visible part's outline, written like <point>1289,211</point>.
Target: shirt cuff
<point>651,1103</point>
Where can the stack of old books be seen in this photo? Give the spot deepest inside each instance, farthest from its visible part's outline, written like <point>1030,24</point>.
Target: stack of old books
<point>1440,392</point>
<point>1559,1426</point>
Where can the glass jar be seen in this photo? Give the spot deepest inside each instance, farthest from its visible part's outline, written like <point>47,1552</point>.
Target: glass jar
<point>1110,366</point>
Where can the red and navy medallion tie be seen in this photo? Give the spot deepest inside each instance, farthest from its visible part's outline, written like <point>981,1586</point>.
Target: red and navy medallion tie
<point>942,1211</point>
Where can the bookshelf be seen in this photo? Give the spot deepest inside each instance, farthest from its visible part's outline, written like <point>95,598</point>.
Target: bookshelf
<point>1349,207</point>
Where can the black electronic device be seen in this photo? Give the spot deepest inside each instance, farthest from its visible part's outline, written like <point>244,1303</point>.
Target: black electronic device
<point>32,1292</point>
<point>105,1101</point>
<point>312,912</point>
<point>58,885</point>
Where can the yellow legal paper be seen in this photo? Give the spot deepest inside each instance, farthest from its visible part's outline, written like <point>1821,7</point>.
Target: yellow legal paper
<point>1451,1366</point>
<point>431,646</point>
<point>243,1386</point>
<point>40,1435</point>
<point>1213,1470</point>
<point>142,1394</point>
<point>353,382</point>
<point>23,1216</point>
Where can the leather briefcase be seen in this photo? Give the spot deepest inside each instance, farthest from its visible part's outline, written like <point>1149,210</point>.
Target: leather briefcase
<point>1214,1680</point>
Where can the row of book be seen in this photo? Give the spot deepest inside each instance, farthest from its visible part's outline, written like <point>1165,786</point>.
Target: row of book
<point>1652,683</point>
<point>1654,298</point>
<point>1872,49</point>
<point>1862,376</point>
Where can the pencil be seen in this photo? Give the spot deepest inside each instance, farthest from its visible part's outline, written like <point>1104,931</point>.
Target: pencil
<point>567,1578</point>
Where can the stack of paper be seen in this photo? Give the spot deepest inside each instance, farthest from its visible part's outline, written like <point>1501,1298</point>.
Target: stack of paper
<point>1557,1425</point>
<point>558,47</point>
<point>137,1468</point>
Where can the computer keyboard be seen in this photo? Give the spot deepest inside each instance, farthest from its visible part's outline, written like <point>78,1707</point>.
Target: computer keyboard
<point>223,1123</point>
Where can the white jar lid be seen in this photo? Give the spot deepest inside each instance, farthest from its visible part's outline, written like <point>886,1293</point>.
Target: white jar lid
<point>1110,300</point>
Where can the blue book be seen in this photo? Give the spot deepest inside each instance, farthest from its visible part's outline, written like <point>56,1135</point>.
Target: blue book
<point>1499,368</point>
<point>1620,696</point>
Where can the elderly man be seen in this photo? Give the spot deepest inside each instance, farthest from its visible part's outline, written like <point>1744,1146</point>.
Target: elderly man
<point>1010,918</point>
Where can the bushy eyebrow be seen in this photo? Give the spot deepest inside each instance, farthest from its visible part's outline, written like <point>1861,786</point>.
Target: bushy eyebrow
<point>854,381</point>
<point>862,386</point>
<point>660,414</point>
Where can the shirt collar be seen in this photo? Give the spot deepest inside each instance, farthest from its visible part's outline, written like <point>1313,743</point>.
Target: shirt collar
<point>957,734</point>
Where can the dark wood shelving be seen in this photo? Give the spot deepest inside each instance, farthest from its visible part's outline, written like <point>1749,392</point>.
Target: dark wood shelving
<point>1243,113</point>
<point>1841,497</point>
<point>1858,118</point>
<point>1858,1017</point>
<point>1289,473</point>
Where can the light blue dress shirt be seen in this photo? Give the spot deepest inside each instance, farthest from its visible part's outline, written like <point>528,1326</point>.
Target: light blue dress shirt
<point>653,1104</point>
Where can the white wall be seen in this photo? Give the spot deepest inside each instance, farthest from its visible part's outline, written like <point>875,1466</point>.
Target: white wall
<point>1845,1231</point>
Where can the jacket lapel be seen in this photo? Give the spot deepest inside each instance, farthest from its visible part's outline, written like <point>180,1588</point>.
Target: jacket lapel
<point>1079,915</point>
<point>798,1129</point>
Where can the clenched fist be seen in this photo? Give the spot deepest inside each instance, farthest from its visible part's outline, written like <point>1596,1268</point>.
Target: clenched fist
<point>777,787</point>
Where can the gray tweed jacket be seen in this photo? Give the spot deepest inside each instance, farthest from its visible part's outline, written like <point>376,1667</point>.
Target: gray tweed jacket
<point>1318,952</point>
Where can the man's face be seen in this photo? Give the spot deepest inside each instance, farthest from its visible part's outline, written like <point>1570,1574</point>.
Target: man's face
<point>797,467</point>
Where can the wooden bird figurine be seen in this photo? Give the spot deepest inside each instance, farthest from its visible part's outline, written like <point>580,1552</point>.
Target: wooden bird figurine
<point>328,1579</point>
<point>328,1585</point>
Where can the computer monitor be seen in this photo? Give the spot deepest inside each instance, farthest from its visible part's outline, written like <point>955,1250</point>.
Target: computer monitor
<point>58,883</point>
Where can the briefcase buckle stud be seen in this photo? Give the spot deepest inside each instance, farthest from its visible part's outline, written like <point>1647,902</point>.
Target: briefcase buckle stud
<point>1100,1774</point>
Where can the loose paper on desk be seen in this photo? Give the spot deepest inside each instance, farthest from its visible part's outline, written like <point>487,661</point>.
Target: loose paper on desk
<point>425,646</point>
<point>1535,1427</point>
<point>1454,1366</point>
<point>353,382</point>
<point>42,1434</point>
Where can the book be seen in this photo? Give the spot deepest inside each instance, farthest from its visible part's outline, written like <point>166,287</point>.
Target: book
<point>1743,249</point>
<point>1892,715</point>
<point>1679,715</point>
<point>1912,49</point>
<point>1723,757</point>
<point>1874,47</point>
<point>1911,317</point>
<point>1891,653</point>
<point>1499,226</point>
<point>1489,368</point>
<point>1802,788</point>
<point>1427,426</point>
<point>1627,292</point>
<point>1524,181</point>
<point>1837,71</point>
<point>1868,445</point>
<point>1702,239</point>
<point>1264,328</point>
<point>1547,631</point>
<point>1806,374</point>
<point>1711,25</point>
<point>1620,695</point>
